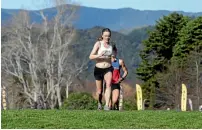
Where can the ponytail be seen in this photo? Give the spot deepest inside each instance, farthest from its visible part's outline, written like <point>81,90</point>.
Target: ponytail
<point>100,38</point>
<point>114,48</point>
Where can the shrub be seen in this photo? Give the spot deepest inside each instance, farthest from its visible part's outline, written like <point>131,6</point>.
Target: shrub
<point>80,101</point>
<point>129,104</point>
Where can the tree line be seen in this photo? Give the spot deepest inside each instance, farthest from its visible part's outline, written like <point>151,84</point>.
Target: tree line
<point>172,55</point>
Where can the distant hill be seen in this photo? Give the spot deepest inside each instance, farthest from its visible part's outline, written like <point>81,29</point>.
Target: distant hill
<point>116,19</point>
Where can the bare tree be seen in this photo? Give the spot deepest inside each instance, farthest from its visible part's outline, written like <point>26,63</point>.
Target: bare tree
<point>40,56</point>
<point>170,85</point>
<point>189,72</point>
<point>194,73</point>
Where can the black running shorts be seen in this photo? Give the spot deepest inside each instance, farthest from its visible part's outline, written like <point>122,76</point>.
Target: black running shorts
<point>100,72</point>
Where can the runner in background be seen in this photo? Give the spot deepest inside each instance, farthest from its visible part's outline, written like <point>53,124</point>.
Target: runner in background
<point>117,65</point>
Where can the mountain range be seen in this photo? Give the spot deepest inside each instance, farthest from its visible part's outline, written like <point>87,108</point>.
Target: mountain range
<point>123,19</point>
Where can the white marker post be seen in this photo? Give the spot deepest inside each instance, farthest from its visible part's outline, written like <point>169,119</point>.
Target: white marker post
<point>121,99</point>
<point>4,101</point>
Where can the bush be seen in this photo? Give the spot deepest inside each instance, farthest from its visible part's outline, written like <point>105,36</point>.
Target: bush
<point>85,101</point>
<point>129,104</point>
<point>80,101</point>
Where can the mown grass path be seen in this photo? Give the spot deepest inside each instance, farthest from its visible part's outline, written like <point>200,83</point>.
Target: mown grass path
<point>56,119</point>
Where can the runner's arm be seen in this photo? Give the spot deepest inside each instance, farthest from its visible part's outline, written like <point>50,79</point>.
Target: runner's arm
<point>125,70</point>
<point>93,52</point>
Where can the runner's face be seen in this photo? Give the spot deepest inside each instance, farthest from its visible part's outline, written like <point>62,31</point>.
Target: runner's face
<point>106,36</point>
<point>113,57</point>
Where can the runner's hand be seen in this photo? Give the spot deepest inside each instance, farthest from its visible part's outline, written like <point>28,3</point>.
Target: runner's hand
<point>120,80</point>
<point>102,54</point>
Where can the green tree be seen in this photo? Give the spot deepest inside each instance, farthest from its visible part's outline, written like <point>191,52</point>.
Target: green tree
<point>158,50</point>
<point>190,38</point>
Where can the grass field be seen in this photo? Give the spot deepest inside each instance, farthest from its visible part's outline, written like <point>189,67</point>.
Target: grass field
<point>56,119</point>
